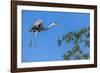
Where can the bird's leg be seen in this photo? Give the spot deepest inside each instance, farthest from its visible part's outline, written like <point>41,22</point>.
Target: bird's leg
<point>35,33</point>
<point>30,42</point>
<point>33,37</point>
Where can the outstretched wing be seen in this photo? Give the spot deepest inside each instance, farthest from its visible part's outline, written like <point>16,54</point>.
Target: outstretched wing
<point>37,23</point>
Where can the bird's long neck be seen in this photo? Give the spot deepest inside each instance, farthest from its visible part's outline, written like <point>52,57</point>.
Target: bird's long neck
<point>51,25</point>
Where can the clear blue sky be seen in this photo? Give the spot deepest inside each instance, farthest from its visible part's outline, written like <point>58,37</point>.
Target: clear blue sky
<point>47,48</point>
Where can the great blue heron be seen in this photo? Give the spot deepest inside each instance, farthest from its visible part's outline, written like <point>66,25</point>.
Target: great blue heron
<point>38,27</point>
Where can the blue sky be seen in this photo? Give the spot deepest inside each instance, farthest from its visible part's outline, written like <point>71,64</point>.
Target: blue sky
<point>47,48</point>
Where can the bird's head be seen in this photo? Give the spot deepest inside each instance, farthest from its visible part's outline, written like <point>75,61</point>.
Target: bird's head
<point>53,24</point>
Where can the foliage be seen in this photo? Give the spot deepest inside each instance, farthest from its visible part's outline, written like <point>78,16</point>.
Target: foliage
<point>80,39</point>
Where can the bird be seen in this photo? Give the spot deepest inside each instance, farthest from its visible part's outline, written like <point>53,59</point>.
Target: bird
<point>38,27</point>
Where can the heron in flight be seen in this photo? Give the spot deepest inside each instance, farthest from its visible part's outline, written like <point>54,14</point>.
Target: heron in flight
<point>38,27</point>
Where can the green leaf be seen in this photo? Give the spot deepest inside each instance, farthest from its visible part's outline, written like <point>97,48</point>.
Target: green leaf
<point>80,39</point>
<point>65,57</point>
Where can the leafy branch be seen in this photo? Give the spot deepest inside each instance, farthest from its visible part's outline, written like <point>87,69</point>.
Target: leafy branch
<point>79,39</point>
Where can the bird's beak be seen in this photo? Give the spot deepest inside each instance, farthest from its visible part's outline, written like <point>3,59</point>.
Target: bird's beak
<point>56,24</point>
